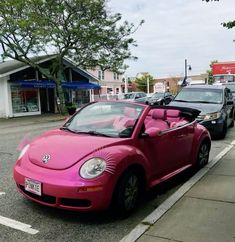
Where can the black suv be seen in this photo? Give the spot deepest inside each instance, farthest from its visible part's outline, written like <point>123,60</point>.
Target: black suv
<point>215,104</point>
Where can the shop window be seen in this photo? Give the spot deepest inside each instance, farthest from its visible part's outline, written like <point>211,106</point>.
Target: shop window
<point>24,100</point>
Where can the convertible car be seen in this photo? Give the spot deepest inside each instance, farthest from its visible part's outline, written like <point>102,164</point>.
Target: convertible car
<point>108,153</point>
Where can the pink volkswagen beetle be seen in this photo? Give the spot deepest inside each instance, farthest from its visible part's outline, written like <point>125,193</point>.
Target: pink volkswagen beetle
<point>108,153</point>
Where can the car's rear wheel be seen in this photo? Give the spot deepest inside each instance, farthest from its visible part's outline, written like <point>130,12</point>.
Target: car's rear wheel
<point>232,124</point>
<point>127,193</point>
<point>203,155</point>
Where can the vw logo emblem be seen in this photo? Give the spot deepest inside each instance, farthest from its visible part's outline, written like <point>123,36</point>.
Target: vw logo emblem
<point>46,158</point>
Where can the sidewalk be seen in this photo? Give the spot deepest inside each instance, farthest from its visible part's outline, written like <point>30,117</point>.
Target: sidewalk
<point>205,213</point>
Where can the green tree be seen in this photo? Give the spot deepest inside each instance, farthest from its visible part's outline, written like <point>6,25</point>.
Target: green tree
<point>209,72</point>
<point>82,30</point>
<point>142,81</point>
<point>228,25</point>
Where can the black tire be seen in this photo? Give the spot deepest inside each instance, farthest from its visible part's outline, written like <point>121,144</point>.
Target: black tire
<point>203,155</point>
<point>127,193</point>
<point>232,124</point>
<point>224,131</point>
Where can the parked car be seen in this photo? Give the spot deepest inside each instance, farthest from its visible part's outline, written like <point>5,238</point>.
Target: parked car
<point>132,96</point>
<point>214,102</point>
<point>160,98</point>
<point>231,86</point>
<point>108,154</point>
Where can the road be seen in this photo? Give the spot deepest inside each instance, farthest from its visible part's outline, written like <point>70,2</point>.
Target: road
<point>59,225</point>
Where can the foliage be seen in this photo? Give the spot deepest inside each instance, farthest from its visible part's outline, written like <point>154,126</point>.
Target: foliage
<point>229,25</point>
<point>142,81</point>
<point>209,72</point>
<point>82,30</point>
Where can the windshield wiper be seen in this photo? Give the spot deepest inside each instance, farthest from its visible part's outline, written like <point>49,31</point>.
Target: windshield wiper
<point>203,102</point>
<point>93,132</point>
<point>180,100</point>
<point>68,129</point>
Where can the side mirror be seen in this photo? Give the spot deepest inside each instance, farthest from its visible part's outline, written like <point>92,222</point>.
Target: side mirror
<point>153,132</point>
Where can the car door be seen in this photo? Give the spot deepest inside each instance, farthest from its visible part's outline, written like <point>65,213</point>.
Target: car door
<point>169,151</point>
<point>228,106</point>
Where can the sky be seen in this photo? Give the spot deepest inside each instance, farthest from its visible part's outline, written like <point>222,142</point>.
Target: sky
<point>175,30</point>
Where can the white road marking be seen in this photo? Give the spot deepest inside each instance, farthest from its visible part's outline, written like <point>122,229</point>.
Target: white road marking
<point>141,228</point>
<point>17,225</point>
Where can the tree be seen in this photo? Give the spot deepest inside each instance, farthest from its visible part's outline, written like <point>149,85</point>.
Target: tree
<point>82,30</point>
<point>228,25</point>
<point>209,72</point>
<point>142,81</point>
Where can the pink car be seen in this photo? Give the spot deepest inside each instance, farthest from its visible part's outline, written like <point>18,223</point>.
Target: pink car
<point>108,153</point>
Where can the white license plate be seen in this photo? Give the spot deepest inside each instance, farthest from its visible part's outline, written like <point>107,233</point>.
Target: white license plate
<point>33,186</point>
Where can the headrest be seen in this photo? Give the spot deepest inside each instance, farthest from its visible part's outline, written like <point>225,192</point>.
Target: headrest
<point>130,112</point>
<point>172,113</point>
<point>158,114</point>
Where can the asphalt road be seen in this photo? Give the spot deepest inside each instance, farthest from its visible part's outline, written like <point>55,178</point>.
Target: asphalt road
<point>60,225</point>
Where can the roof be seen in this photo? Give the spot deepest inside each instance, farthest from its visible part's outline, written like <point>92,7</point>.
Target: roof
<point>12,66</point>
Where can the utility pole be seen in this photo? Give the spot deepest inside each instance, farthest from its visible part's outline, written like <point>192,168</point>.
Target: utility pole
<point>126,83</point>
<point>147,84</point>
<point>185,69</point>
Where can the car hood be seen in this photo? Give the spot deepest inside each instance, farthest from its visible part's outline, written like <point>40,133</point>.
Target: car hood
<point>203,107</point>
<point>64,149</point>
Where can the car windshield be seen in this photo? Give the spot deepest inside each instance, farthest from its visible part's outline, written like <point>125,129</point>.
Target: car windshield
<point>199,95</point>
<point>158,95</point>
<point>110,119</point>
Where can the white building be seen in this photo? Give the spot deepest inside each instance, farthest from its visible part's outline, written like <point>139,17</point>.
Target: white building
<point>25,91</point>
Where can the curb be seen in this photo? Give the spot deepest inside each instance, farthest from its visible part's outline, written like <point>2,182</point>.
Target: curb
<point>147,222</point>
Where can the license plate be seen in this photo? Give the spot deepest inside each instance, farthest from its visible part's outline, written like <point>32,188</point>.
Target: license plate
<point>33,186</point>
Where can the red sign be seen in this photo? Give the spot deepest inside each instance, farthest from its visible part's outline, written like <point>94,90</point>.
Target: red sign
<point>223,68</point>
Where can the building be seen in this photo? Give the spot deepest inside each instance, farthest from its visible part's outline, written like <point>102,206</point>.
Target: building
<point>25,91</point>
<point>110,82</point>
<point>173,84</point>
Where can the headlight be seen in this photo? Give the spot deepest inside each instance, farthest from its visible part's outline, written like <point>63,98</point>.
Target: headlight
<point>23,151</point>
<point>211,116</point>
<point>92,168</point>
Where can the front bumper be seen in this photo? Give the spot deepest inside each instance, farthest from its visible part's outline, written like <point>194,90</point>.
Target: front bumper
<point>64,189</point>
<point>215,126</point>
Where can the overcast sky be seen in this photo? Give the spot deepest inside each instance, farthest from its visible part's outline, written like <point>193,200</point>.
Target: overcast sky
<point>175,30</point>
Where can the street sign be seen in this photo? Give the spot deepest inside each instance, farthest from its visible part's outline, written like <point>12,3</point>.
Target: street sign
<point>159,87</point>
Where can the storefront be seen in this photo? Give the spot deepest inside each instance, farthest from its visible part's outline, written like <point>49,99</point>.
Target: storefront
<point>34,96</point>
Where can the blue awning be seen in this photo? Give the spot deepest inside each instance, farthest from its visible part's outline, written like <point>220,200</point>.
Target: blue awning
<point>79,85</point>
<point>51,84</point>
<point>36,84</point>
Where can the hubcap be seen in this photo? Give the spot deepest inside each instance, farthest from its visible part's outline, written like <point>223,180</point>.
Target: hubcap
<point>131,192</point>
<point>203,155</point>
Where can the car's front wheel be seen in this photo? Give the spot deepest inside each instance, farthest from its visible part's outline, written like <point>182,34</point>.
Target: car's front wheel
<point>203,155</point>
<point>224,131</point>
<point>127,193</point>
